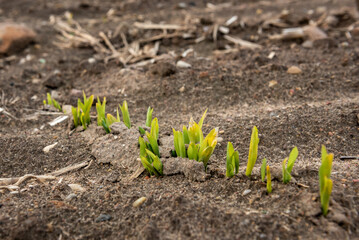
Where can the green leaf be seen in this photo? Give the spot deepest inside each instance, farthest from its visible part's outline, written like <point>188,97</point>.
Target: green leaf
<point>153,142</point>
<point>263,169</point>
<point>142,143</point>
<point>195,134</point>
<point>286,174</point>
<point>101,110</point>
<point>325,169</point>
<point>157,164</point>
<point>232,161</point>
<point>49,101</point>
<point>149,116</point>
<point>142,131</point>
<point>83,121</point>
<point>253,151</point>
<point>125,114</point>
<point>236,161</point>
<point>205,155</point>
<point>75,116</point>
<point>147,166</point>
<point>185,135</point>
<point>105,126</point>
<point>154,128</point>
<point>229,161</point>
<point>327,191</point>
<point>181,145</point>
<point>175,142</point>
<point>291,160</point>
<point>192,151</point>
<point>200,123</point>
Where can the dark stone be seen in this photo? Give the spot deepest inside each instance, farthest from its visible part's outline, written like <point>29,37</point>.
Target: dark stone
<point>103,217</point>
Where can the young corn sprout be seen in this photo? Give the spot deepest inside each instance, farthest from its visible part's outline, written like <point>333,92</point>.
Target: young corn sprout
<point>149,151</point>
<point>105,120</point>
<point>199,148</point>
<point>269,180</point>
<point>125,114</point>
<point>263,169</point>
<point>52,102</point>
<point>81,114</point>
<point>101,110</point>
<point>287,170</point>
<point>148,121</point>
<point>232,163</point>
<point>253,151</point>
<point>149,117</point>
<point>325,183</point>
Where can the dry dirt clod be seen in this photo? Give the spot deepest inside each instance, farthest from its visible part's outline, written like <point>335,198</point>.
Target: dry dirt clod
<point>76,188</point>
<point>294,70</point>
<point>163,69</point>
<point>15,37</point>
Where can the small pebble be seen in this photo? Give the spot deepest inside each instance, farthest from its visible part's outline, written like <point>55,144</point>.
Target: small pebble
<point>182,64</point>
<point>103,217</point>
<point>91,60</point>
<point>139,202</point>
<point>70,197</point>
<point>246,192</point>
<point>294,70</point>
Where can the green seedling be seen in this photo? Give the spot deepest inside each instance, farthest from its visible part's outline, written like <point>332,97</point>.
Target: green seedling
<point>287,170</point>
<point>149,117</point>
<point>263,169</point>
<point>152,164</point>
<point>81,114</point>
<point>198,148</point>
<point>232,163</point>
<point>101,111</point>
<point>125,114</point>
<point>325,183</point>
<point>149,151</point>
<point>269,180</point>
<point>142,131</point>
<point>52,102</point>
<point>253,151</point>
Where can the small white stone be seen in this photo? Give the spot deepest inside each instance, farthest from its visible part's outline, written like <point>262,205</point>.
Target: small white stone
<point>246,192</point>
<point>91,60</point>
<point>48,148</point>
<point>182,64</point>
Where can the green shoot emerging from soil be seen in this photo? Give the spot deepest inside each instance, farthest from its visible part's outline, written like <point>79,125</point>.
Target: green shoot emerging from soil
<point>199,148</point>
<point>149,117</point>
<point>149,151</point>
<point>287,170</point>
<point>232,163</point>
<point>253,151</point>
<point>101,110</point>
<point>325,183</point>
<point>52,102</point>
<point>263,169</point>
<point>269,180</point>
<point>125,114</point>
<point>81,114</point>
<point>105,120</point>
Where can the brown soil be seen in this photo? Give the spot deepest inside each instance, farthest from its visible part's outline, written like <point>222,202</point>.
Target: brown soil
<point>319,106</point>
